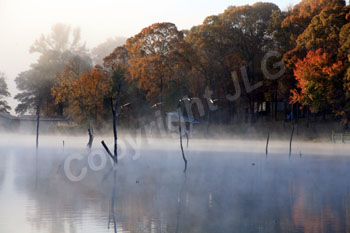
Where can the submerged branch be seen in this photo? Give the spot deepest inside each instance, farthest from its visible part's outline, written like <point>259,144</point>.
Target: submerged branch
<point>108,151</point>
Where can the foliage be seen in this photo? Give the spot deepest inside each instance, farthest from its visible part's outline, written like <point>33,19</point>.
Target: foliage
<point>4,107</point>
<point>104,49</point>
<point>150,58</point>
<point>317,81</point>
<point>85,92</point>
<point>55,49</point>
<point>161,64</point>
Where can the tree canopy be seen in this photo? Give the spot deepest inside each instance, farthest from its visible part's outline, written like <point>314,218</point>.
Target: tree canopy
<point>225,56</point>
<point>4,93</point>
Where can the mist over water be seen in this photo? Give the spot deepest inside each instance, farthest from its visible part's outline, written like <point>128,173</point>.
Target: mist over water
<point>230,186</point>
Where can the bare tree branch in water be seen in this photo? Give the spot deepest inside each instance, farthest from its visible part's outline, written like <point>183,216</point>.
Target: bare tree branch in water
<point>108,151</point>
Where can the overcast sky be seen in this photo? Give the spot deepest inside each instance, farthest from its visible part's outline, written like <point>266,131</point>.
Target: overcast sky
<point>22,21</point>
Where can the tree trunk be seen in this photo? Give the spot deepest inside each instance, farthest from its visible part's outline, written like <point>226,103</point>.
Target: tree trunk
<point>276,104</point>
<point>161,96</point>
<point>252,94</point>
<point>114,112</point>
<point>208,120</point>
<point>180,133</point>
<point>291,140</point>
<point>115,123</point>
<point>91,135</point>
<point>37,123</point>
<point>267,144</point>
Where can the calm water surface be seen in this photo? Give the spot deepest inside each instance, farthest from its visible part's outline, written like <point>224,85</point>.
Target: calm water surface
<point>226,189</point>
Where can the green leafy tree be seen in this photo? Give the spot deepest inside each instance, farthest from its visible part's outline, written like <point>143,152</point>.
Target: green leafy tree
<point>4,107</point>
<point>55,50</point>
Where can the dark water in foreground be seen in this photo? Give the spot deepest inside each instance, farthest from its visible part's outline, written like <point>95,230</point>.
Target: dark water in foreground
<point>223,191</point>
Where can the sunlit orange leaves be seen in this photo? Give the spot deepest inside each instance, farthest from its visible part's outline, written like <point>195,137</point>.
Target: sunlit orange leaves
<point>85,93</point>
<point>317,79</point>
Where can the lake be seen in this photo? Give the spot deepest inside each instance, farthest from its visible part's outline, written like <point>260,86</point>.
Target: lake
<point>229,186</point>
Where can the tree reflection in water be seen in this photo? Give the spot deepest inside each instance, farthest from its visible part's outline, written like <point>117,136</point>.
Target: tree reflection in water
<point>113,204</point>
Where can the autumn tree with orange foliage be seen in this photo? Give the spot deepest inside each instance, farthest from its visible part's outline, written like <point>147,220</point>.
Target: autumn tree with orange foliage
<point>302,13</point>
<point>226,42</point>
<point>319,85</point>
<point>150,63</point>
<point>85,93</point>
<point>162,64</point>
<point>311,24</point>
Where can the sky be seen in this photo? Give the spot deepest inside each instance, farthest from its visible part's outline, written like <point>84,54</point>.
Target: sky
<point>23,21</point>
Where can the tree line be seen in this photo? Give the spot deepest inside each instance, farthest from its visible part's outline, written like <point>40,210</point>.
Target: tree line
<point>161,64</point>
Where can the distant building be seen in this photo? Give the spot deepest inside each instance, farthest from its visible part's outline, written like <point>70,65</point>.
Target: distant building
<point>28,122</point>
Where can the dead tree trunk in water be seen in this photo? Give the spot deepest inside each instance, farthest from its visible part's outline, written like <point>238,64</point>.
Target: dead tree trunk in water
<point>114,112</point>
<point>180,133</point>
<point>187,138</point>
<point>290,141</point>
<point>91,136</point>
<point>115,155</point>
<point>267,143</point>
<point>37,123</point>
<point>292,133</point>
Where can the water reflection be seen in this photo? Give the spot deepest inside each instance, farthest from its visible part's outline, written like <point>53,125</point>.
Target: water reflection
<point>221,192</point>
<point>2,168</point>
<point>113,204</point>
